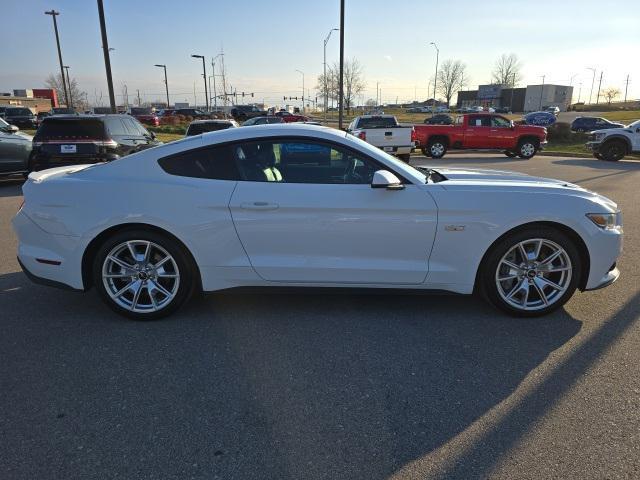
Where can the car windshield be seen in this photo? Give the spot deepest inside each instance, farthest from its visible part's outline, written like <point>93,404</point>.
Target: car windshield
<point>58,128</point>
<point>635,124</point>
<point>141,111</point>
<point>377,122</point>
<point>198,128</point>
<point>18,111</point>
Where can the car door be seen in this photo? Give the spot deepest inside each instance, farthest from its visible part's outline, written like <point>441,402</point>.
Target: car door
<point>500,134</point>
<point>12,152</point>
<point>477,134</point>
<point>305,212</point>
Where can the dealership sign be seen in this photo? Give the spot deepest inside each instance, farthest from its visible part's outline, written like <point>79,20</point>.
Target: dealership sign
<point>541,119</point>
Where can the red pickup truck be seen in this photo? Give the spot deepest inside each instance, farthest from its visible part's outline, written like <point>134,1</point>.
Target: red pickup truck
<point>481,131</point>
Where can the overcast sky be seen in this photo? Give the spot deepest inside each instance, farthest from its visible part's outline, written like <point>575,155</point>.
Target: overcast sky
<point>265,41</point>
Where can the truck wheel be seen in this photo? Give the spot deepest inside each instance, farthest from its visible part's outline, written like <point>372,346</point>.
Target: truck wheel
<point>613,150</point>
<point>405,157</point>
<point>510,154</point>
<point>437,148</point>
<point>527,148</point>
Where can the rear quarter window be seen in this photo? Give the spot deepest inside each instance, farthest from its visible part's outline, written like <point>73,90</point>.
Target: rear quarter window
<point>214,163</point>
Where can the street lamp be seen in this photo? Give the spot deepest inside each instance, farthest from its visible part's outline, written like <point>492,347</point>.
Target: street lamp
<point>66,67</point>
<point>435,80</point>
<point>54,14</point>
<point>166,85</point>
<point>204,77</point>
<point>541,92</point>
<point>593,80</point>
<point>326,93</point>
<point>302,73</point>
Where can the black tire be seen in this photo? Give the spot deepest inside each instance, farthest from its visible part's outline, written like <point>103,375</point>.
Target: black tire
<point>186,270</point>
<point>613,150</point>
<point>405,157</point>
<point>437,148</point>
<point>527,148</point>
<point>487,284</point>
<point>510,154</point>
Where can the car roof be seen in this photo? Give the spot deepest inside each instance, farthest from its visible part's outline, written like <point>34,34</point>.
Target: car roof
<point>83,116</point>
<point>213,120</point>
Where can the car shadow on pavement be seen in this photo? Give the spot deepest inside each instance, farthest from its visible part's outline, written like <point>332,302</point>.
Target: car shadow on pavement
<point>625,165</point>
<point>11,187</point>
<point>259,385</point>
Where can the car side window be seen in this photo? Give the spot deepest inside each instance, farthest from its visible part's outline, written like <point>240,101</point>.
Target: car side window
<point>500,122</point>
<point>479,121</point>
<point>213,163</point>
<point>115,126</point>
<point>302,161</point>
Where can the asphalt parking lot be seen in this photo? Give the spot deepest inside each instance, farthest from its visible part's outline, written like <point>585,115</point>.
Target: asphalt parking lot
<point>325,385</point>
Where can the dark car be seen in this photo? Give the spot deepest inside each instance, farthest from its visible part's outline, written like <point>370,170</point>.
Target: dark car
<point>15,149</point>
<point>20,117</point>
<point>245,112</point>
<point>63,111</point>
<point>440,119</point>
<point>204,126</point>
<point>588,124</point>
<point>502,110</point>
<point>263,120</point>
<point>77,139</point>
<point>191,112</point>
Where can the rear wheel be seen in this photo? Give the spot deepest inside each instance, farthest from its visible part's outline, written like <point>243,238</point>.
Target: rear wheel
<point>531,272</point>
<point>437,148</point>
<point>143,275</point>
<point>613,150</point>
<point>527,148</point>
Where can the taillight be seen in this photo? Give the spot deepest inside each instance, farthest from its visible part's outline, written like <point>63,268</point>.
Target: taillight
<point>106,143</point>
<point>362,135</point>
<point>413,135</point>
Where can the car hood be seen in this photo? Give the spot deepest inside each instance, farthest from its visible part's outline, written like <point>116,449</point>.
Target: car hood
<point>504,180</point>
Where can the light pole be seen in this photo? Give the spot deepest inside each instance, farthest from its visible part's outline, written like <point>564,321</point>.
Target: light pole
<point>66,67</point>
<point>435,80</point>
<point>166,85</point>
<point>213,68</point>
<point>324,63</point>
<point>302,73</point>
<point>541,92</point>
<point>593,80</point>
<point>204,77</point>
<point>107,60</point>
<point>341,77</point>
<point>54,14</point>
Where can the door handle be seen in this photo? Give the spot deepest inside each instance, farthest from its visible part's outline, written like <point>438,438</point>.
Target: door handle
<point>259,206</point>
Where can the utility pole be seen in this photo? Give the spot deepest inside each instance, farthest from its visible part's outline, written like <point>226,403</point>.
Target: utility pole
<point>626,87</point>
<point>138,92</point>
<point>599,86</point>
<point>593,79</point>
<point>107,61</point>
<point>69,82</point>
<point>541,92</point>
<point>377,94</point>
<point>302,73</point>
<point>213,68</point>
<point>579,92</point>
<point>513,87</point>
<point>324,63</point>
<point>54,14</point>
<point>341,81</point>
<point>435,79</point>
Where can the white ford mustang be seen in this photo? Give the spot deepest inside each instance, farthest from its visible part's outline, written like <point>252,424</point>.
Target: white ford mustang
<point>300,205</point>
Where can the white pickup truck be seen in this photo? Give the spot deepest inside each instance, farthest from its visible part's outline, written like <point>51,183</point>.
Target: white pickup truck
<point>384,132</point>
<point>612,144</point>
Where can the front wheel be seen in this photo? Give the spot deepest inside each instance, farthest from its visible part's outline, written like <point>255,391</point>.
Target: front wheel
<point>612,151</point>
<point>531,272</point>
<point>142,274</point>
<point>527,149</point>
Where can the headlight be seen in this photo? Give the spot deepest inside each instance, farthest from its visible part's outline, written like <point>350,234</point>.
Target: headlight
<point>606,221</point>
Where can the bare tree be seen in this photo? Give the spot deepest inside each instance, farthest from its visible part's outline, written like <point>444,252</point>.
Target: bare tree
<point>78,97</point>
<point>610,94</point>
<point>330,86</point>
<point>507,70</point>
<point>370,103</point>
<point>354,82</point>
<point>450,78</point>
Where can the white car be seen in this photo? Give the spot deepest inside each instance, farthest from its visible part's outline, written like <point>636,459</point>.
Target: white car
<point>302,205</point>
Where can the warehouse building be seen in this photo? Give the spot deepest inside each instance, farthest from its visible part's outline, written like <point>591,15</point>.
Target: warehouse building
<point>528,99</point>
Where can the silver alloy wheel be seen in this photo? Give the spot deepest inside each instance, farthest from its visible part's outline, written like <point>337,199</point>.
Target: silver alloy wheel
<point>437,149</point>
<point>140,276</point>
<point>527,149</point>
<point>533,274</point>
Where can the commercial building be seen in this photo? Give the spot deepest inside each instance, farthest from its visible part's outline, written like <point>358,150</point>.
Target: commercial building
<point>37,100</point>
<point>528,99</point>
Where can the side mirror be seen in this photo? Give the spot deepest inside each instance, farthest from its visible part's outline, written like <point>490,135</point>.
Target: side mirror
<point>13,129</point>
<point>386,179</point>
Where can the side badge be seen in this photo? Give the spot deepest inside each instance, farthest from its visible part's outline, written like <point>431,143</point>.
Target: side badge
<point>454,228</point>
